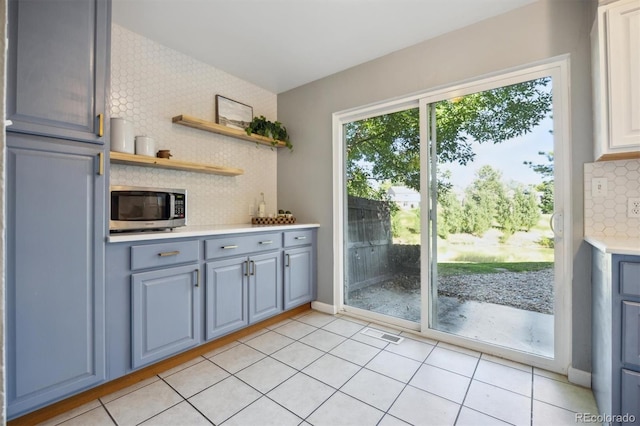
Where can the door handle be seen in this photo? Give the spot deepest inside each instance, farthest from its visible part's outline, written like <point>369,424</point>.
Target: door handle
<point>552,222</point>
<point>100,164</point>
<point>100,125</point>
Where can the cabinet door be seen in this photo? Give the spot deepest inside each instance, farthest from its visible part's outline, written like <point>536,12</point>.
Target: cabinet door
<point>624,74</point>
<point>226,296</point>
<point>165,313</point>
<point>298,276</point>
<point>265,286</point>
<point>630,395</point>
<point>55,271</point>
<point>57,67</point>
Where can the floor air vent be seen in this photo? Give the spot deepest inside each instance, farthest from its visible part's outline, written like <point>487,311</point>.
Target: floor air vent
<point>391,338</point>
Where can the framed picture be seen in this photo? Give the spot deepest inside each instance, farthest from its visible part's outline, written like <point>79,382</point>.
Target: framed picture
<point>233,114</point>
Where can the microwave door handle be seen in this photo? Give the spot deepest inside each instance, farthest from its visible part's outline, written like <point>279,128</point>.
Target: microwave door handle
<point>172,206</point>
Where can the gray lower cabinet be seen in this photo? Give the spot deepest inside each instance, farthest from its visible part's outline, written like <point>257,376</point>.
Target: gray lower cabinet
<point>165,313</point>
<point>242,291</point>
<point>58,68</point>
<point>299,268</point>
<point>55,318</point>
<point>616,335</point>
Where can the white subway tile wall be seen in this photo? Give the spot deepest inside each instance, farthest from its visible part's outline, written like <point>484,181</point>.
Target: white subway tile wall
<point>150,84</point>
<point>606,215</point>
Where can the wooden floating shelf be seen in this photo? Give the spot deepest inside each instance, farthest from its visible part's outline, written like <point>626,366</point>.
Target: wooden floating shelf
<point>163,163</point>
<point>209,126</point>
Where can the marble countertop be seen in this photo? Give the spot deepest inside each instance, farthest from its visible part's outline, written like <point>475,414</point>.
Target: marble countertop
<point>203,230</point>
<point>616,245</point>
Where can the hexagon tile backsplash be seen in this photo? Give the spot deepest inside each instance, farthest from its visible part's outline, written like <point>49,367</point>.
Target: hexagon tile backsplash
<point>606,215</point>
<point>150,84</point>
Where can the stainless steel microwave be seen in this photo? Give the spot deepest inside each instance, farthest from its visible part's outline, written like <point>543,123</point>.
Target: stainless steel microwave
<point>137,208</point>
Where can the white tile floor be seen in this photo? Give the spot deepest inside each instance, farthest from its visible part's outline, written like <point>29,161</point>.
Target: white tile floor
<point>319,369</point>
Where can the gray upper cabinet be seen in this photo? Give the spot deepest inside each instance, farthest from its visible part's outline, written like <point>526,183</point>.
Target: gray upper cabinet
<point>55,321</point>
<point>57,68</point>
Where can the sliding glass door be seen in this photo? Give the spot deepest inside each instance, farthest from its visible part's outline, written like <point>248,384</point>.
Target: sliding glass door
<point>454,214</point>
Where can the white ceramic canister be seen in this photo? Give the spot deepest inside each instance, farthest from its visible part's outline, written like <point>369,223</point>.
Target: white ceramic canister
<point>145,145</point>
<point>122,139</point>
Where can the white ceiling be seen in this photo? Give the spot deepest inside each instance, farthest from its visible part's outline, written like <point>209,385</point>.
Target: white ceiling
<point>282,44</point>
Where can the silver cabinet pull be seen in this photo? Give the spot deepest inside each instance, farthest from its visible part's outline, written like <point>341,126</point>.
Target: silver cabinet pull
<point>228,247</point>
<point>288,262</point>
<point>246,268</point>
<point>253,268</point>
<point>169,253</point>
<point>197,271</point>
<point>301,238</point>
<point>265,242</point>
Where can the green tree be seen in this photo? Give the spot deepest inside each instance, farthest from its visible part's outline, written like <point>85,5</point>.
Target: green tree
<point>482,200</point>
<point>547,186</point>
<point>387,147</point>
<point>450,215</point>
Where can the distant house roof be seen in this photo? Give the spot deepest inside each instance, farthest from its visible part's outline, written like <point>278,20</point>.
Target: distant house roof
<point>403,194</point>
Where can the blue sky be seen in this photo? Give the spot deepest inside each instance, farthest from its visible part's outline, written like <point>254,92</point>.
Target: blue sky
<point>508,157</point>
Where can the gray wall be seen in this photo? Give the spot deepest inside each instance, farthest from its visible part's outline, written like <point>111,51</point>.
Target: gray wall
<point>532,33</point>
<point>3,38</point>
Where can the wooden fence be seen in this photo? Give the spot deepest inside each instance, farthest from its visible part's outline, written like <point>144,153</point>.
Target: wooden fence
<point>369,243</point>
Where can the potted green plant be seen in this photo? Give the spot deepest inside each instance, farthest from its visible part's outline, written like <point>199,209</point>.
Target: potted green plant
<point>272,130</point>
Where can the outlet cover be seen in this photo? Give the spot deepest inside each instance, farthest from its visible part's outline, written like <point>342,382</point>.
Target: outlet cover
<point>633,209</point>
<point>599,187</point>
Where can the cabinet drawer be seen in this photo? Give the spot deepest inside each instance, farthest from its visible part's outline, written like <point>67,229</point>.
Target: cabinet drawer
<point>630,333</point>
<point>171,253</point>
<point>630,278</point>
<point>242,244</point>
<point>298,238</point>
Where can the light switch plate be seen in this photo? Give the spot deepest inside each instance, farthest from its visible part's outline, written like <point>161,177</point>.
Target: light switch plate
<point>633,209</point>
<point>599,187</point>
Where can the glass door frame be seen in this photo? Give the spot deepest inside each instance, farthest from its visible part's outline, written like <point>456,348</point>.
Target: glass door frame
<point>558,69</point>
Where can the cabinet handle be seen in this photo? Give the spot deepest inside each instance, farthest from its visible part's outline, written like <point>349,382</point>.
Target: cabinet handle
<point>228,247</point>
<point>246,268</point>
<point>100,125</point>
<point>253,268</point>
<point>301,238</point>
<point>197,271</point>
<point>287,263</point>
<point>266,242</point>
<point>100,163</point>
<point>169,253</point>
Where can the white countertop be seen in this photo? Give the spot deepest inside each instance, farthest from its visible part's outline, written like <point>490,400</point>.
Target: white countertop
<point>616,245</point>
<point>204,230</point>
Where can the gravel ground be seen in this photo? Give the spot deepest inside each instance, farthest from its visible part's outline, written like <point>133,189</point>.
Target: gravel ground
<point>399,296</point>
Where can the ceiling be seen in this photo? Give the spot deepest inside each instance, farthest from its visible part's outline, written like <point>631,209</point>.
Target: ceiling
<point>282,44</point>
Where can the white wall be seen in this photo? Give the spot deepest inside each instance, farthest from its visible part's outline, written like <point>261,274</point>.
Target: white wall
<point>150,84</point>
<point>532,33</point>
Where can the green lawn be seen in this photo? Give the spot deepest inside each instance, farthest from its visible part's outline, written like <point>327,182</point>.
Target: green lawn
<point>457,268</point>
<point>521,248</point>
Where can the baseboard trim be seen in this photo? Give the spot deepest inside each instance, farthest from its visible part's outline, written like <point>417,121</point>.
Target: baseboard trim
<point>82,398</point>
<point>579,377</point>
<point>324,308</point>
